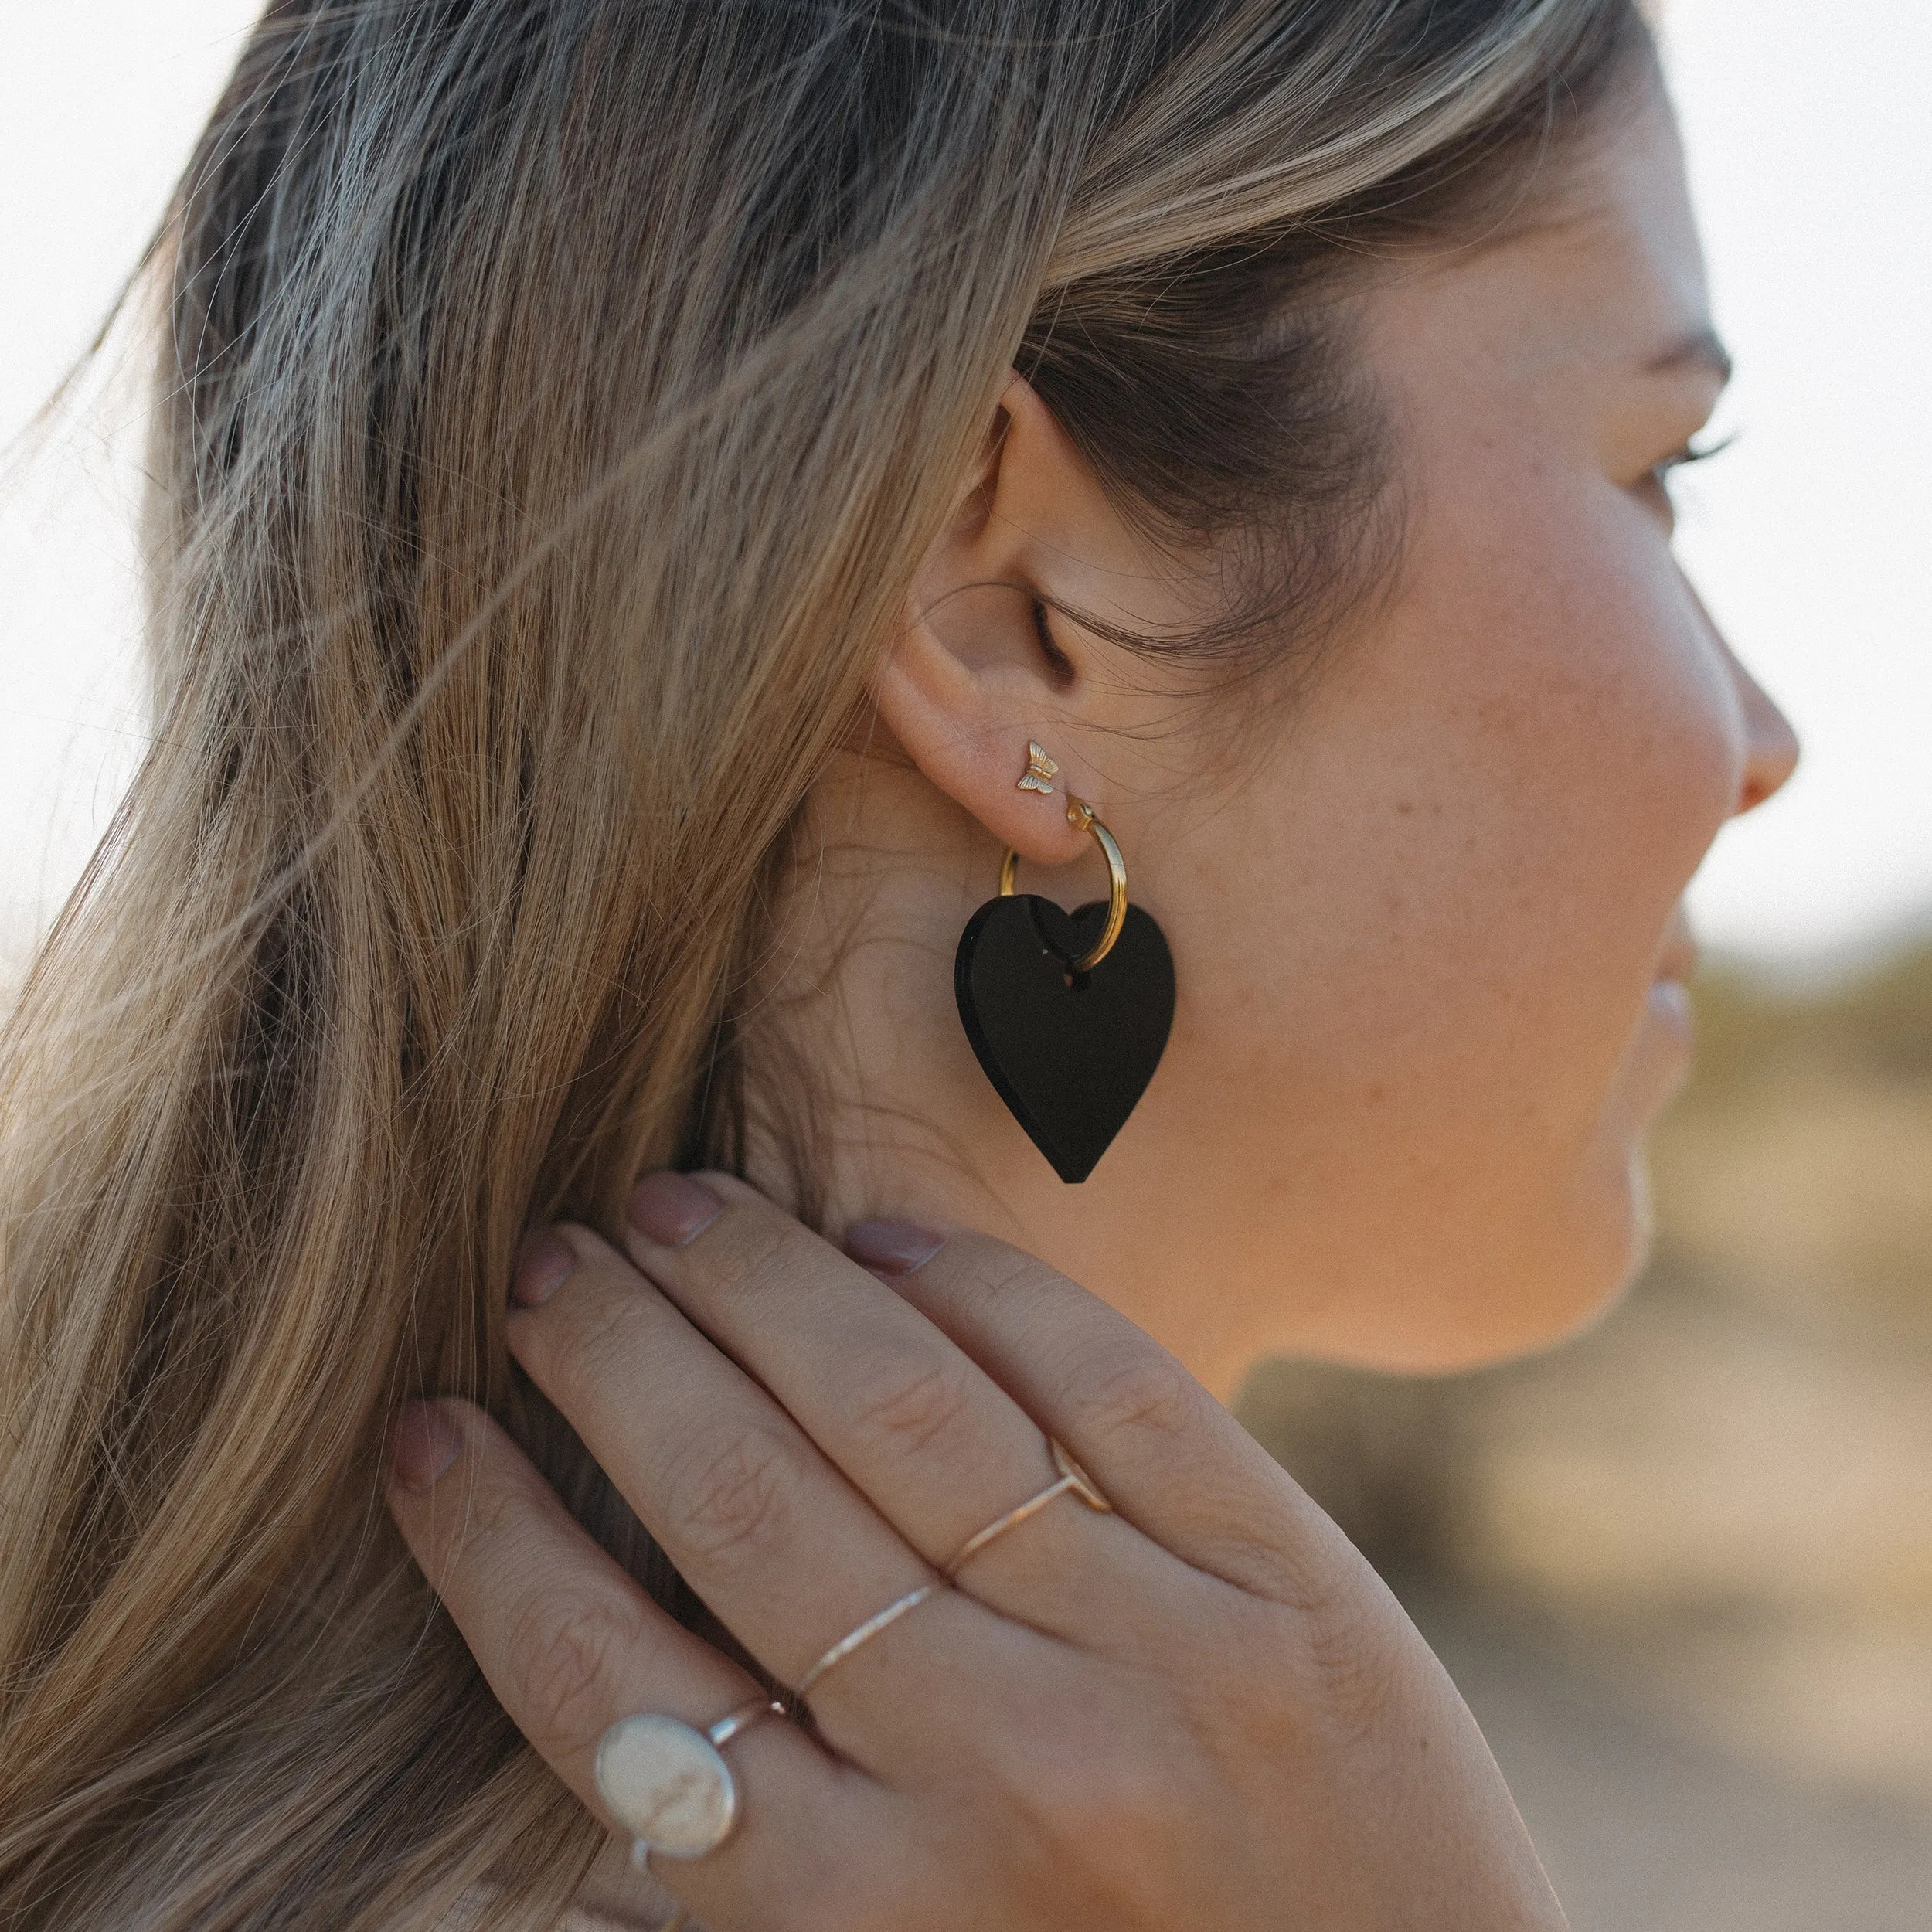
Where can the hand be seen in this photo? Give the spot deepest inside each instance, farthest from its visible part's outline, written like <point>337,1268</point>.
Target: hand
<point>1203,1711</point>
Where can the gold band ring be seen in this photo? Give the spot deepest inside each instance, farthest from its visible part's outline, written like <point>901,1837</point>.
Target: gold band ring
<point>866,1631</point>
<point>1072,1481</point>
<point>1080,816</point>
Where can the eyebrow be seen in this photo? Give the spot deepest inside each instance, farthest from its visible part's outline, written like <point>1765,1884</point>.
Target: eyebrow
<point>1700,349</point>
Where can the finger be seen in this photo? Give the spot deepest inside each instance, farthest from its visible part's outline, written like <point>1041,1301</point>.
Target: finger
<point>786,1553</point>
<point>570,1644</point>
<point>938,1448</point>
<point>1170,1457</point>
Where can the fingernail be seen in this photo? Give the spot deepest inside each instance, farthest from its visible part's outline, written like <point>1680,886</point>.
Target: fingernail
<point>544,1263</point>
<point>425,1443</point>
<point>669,1208</point>
<point>895,1247</point>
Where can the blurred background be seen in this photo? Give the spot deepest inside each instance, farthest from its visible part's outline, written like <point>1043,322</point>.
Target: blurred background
<point>1683,1568</point>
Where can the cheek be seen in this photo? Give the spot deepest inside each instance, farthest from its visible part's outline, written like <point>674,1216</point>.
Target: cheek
<point>1586,740</point>
<point>1486,819</point>
<point>1427,929</point>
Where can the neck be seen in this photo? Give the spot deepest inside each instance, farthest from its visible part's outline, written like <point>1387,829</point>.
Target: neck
<point>857,1064</point>
<point>859,1070</point>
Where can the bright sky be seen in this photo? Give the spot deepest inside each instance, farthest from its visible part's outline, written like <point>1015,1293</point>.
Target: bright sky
<point>1811,155</point>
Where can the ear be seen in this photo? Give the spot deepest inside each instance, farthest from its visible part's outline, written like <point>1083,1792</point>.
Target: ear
<point>984,666</point>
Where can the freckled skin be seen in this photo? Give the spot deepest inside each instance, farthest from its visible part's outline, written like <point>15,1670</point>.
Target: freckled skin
<point>1417,925</point>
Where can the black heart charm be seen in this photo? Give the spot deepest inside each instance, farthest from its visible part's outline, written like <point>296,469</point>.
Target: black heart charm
<point>1070,1054</point>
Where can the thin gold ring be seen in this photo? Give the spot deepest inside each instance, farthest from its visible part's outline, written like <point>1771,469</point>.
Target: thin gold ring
<point>1072,1481</point>
<point>865,1634</point>
<point>728,1726</point>
<point>1080,816</point>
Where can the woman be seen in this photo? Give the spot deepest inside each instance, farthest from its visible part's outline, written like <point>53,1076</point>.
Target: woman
<point>651,500</point>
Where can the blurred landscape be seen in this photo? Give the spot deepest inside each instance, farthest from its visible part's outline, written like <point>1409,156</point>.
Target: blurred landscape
<point>1682,1567</point>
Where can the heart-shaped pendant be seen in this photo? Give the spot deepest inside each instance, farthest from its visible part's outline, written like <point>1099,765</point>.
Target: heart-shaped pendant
<point>1070,1053</point>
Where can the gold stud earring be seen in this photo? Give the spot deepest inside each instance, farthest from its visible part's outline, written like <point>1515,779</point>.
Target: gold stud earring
<point>1039,771</point>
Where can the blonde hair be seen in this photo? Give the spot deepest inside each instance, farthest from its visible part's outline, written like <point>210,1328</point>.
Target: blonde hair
<point>556,400</point>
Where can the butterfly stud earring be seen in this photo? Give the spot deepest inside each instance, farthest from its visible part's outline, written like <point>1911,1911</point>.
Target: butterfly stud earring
<point>1040,769</point>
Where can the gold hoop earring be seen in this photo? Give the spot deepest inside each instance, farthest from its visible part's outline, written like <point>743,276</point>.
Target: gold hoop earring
<point>1080,816</point>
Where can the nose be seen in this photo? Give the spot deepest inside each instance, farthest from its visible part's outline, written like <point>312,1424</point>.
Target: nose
<point>1770,744</point>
